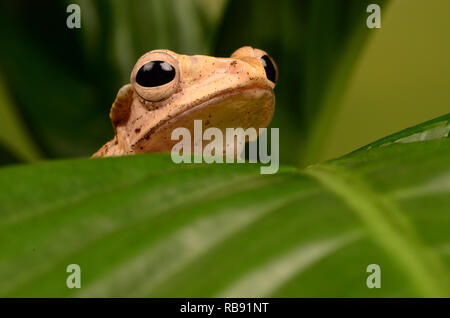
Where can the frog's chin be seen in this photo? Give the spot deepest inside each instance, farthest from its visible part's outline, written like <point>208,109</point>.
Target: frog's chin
<point>241,108</point>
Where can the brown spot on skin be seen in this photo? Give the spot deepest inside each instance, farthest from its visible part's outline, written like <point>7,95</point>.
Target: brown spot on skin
<point>147,137</point>
<point>116,142</point>
<point>233,63</point>
<point>137,130</point>
<point>142,148</point>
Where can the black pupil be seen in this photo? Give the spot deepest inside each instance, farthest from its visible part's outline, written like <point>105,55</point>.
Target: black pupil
<point>155,73</point>
<point>271,72</point>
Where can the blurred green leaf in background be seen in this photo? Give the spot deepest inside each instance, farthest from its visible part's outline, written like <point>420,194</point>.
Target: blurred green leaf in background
<point>59,83</point>
<point>64,80</point>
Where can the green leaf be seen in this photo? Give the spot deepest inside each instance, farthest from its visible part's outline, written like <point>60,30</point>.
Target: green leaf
<point>144,226</point>
<point>48,78</point>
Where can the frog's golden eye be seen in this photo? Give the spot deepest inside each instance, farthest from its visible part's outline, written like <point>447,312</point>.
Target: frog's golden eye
<point>270,68</point>
<point>155,76</point>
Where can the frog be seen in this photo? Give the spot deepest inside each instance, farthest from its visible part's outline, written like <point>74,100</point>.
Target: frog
<point>169,90</point>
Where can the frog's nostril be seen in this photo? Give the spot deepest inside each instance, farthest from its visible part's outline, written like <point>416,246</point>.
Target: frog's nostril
<point>155,73</point>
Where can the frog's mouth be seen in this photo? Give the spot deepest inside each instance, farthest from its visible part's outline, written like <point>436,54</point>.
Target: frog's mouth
<point>246,107</point>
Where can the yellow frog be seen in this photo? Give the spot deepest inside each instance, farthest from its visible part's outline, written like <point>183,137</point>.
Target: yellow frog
<point>170,90</point>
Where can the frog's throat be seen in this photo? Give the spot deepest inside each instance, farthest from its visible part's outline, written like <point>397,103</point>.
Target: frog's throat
<point>189,107</point>
<point>120,146</point>
<point>260,102</point>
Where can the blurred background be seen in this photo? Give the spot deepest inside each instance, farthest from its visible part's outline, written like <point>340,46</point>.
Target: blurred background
<point>341,84</point>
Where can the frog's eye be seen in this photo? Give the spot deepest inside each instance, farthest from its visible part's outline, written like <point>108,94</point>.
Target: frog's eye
<point>155,73</point>
<point>155,76</point>
<point>270,68</point>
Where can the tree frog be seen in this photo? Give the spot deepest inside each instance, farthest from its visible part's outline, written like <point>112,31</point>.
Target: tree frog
<point>169,90</point>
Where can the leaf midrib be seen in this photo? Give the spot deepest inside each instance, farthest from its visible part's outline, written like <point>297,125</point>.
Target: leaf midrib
<point>387,226</point>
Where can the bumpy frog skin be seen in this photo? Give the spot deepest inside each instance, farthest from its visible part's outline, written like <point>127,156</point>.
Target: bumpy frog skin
<point>170,90</point>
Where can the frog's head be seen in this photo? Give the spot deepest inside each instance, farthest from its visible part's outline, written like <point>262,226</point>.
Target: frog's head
<point>172,90</point>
